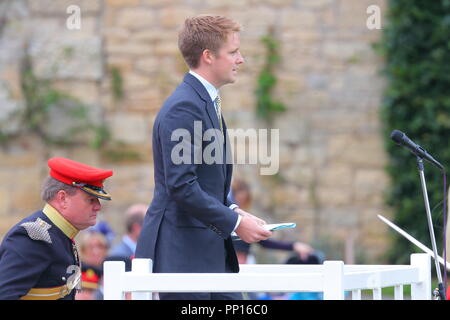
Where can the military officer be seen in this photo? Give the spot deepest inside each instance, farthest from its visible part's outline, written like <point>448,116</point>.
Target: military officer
<point>38,256</point>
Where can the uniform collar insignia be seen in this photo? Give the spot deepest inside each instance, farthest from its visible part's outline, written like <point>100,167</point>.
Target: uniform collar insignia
<point>65,226</point>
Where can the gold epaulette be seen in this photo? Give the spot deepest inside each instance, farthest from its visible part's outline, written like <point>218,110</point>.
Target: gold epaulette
<point>53,293</point>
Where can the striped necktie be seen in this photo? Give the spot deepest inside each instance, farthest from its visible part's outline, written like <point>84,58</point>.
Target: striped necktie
<point>218,111</point>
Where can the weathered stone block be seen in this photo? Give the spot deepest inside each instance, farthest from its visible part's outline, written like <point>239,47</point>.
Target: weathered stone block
<point>334,197</point>
<point>129,48</point>
<point>315,4</point>
<point>63,54</point>
<point>271,3</point>
<point>147,65</point>
<point>129,128</point>
<point>25,194</point>
<point>59,7</point>
<point>336,175</point>
<point>161,3</point>
<point>122,3</point>
<point>148,100</point>
<point>298,19</point>
<point>135,81</point>
<point>136,18</point>
<point>364,150</point>
<point>86,92</point>
<point>174,16</point>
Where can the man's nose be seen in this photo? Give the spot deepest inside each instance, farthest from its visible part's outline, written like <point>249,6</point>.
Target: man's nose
<point>97,205</point>
<point>240,59</point>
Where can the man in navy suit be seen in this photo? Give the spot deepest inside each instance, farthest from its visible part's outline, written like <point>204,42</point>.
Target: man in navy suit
<point>188,225</point>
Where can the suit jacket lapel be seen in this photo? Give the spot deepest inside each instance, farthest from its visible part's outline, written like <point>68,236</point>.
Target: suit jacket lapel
<point>228,163</point>
<point>210,110</point>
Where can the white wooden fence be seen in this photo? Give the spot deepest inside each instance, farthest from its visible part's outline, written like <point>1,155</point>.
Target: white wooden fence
<point>332,278</point>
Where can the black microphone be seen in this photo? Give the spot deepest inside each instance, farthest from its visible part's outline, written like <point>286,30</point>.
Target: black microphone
<point>402,139</point>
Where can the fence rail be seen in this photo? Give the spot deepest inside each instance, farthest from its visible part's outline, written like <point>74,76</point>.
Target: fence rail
<point>332,278</point>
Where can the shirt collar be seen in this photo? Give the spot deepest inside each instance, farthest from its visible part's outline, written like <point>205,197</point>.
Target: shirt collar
<point>58,220</point>
<point>212,91</point>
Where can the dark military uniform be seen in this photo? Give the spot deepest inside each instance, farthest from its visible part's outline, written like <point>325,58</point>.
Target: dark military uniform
<point>38,258</point>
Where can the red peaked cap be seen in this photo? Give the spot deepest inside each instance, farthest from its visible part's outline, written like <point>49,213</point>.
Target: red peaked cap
<point>80,175</point>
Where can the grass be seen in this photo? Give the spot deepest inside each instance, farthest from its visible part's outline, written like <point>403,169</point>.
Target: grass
<point>389,291</point>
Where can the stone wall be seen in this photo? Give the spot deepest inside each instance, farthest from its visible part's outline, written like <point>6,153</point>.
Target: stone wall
<point>331,179</point>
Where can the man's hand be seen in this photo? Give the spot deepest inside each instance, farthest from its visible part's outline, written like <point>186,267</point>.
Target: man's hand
<point>250,228</point>
<point>244,213</point>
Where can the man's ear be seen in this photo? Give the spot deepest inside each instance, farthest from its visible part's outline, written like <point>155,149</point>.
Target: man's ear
<point>207,56</point>
<point>61,198</point>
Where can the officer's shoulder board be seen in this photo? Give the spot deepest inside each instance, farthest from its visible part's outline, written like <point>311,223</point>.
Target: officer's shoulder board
<point>38,230</point>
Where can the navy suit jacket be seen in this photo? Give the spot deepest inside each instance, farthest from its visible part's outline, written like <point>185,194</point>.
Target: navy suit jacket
<point>188,224</point>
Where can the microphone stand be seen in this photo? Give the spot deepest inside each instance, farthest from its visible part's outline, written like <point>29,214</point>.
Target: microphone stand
<point>438,293</point>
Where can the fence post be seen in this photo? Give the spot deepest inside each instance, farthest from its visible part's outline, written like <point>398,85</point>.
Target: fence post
<point>421,290</point>
<point>398,292</point>
<point>112,284</point>
<point>141,266</point>
<point>333,280</point>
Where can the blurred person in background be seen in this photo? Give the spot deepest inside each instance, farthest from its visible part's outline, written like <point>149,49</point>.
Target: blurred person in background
<point>93,249</point>
<point>93,252</point>
<point>125,250</point>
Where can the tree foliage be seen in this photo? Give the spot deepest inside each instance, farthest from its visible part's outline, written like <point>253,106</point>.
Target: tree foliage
<point>416,47</point>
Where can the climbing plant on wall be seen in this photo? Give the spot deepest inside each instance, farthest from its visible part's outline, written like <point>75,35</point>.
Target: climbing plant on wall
<point>267,106</point>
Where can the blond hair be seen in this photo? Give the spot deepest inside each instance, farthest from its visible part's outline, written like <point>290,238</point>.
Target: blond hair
<point>204,32</point>
<point>85,237</point>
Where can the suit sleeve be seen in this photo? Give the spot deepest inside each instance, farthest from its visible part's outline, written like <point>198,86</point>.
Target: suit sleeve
<point>181,178</point>
<point>231,203</point>
<point>22,263</point>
